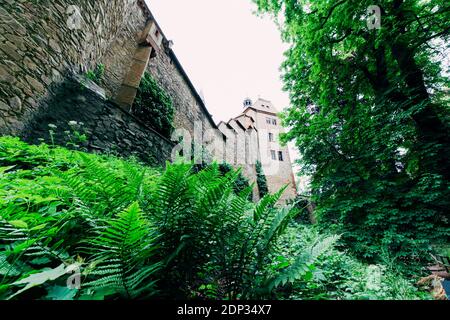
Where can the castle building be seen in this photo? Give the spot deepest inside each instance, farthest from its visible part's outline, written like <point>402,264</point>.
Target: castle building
<point>43,82</point>
<point>254,136</point>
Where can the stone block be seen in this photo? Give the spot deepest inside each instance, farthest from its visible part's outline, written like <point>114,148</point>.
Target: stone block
<point>5,75</point>
<point>126,96</point>
<point>143,54</point>
<point>3,106</point>
<point>134,75</point>
<point>16,104</point>
<point>37,85</point>
<point>11,50</point>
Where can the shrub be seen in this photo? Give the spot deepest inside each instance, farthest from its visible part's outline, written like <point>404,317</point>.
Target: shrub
<point>261,180</point>
<point>154,106</point>
<point>241,182</point>
<point>338,275</point>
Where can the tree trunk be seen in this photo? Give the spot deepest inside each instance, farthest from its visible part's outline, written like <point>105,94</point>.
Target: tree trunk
<point>432,132</point>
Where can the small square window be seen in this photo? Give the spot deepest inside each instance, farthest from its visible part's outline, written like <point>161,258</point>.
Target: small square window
<point>273,154</point>
<point>280,156</point>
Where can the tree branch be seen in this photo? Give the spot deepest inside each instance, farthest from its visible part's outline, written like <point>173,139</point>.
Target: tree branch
<point>346,34</point>
<point>330,12</point>
<point>446,31</point>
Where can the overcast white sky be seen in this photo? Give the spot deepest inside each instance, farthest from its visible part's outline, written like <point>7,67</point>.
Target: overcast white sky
<point>227,51</point>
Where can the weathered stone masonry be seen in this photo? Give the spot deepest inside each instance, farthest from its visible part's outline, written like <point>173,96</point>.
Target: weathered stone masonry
<point>109,128</point>
<point>42,43</point>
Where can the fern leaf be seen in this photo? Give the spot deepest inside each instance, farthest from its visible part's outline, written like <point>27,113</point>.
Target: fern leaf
<point>123,254</point>
<point>302,263</point>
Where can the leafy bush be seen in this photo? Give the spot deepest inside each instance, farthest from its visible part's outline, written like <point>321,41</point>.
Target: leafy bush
<point>337,275</point>
<point>154,106</point>
<point>240,184</point>
<point>302,203</point>
<point>369,117</point>
<point>261,180</point>
<point>128,231</point>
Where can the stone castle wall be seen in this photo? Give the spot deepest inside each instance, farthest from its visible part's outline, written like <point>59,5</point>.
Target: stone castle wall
<point>44,42</point>
<point>40,41</point>
<point>109,129</point>
<point>249,131</point>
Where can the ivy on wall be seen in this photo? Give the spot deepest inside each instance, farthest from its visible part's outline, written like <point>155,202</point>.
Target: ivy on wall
<point>154,106</point>
<point>261,180</point>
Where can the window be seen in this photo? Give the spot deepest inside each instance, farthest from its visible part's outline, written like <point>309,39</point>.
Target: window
<point>271,137</point>
<point>268,120</point>
<point>273,154</point>
<point>274,122</point>
<point>280,155</point>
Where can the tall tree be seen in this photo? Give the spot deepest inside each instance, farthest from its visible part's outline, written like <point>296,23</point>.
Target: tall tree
<point>370,117</point>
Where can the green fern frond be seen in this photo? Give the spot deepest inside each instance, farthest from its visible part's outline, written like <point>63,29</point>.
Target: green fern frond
<point>123,254</point>
<point>302,264</point>
<point>22,241</point>
<point>102,188</point>
<point>6,268</point>
<point>174,195</point>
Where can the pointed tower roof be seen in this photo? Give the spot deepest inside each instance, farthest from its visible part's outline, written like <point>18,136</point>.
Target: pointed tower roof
<point>262,105</point>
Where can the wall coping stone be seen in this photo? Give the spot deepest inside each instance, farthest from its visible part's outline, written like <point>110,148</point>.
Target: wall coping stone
<point>100,92</point>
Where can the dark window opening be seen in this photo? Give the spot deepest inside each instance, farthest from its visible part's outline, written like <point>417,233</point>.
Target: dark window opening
<point>280,156</point>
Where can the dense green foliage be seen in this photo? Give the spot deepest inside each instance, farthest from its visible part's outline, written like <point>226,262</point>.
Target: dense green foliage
<point>370,116</point>
<point>154,106</point>
<point>337,275</point>
<point>241,183</point>
<point>261,180</point>
<point>129,231</point>
<point>82,226</point>
<point>302,204</point>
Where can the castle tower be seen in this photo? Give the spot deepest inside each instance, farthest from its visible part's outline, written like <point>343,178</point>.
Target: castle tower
<point>254,136</point>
